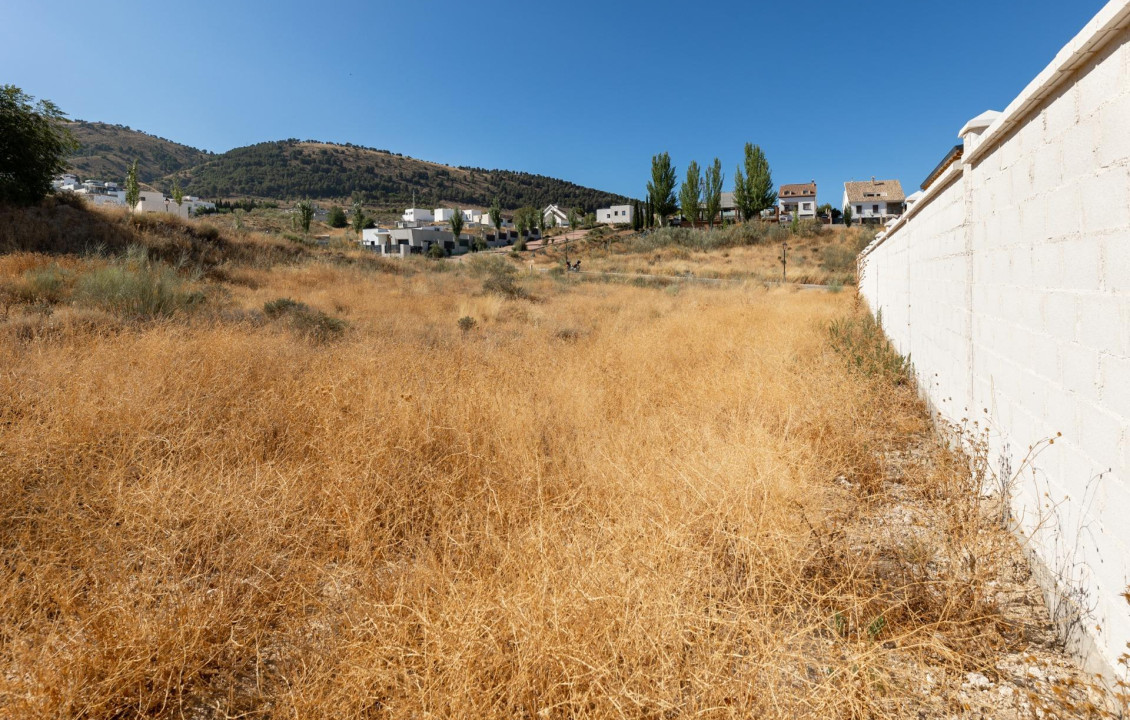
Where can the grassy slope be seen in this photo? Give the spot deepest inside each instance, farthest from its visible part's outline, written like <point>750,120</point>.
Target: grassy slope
<point>602,501</point>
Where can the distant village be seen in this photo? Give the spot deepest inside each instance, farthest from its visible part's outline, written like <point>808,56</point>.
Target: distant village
<point>877,202</point>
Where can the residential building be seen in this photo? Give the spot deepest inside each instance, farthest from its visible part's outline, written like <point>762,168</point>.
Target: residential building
<point>416,215</point>
<point>799,199</point>
<point>151,201</point>
<point>443,215</point>
<point>556,215</point>
<point>874,201</point>
<point>615,215</point>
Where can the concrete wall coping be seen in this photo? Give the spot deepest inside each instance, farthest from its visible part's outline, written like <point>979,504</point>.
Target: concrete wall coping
<point>1113,18</point>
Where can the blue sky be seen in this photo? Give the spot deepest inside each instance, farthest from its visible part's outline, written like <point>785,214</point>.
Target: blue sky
<point>585,91</point>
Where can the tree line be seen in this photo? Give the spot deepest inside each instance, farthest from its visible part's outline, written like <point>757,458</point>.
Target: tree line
<point>700,194</point>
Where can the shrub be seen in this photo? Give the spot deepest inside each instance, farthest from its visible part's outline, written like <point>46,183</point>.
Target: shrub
<point>437,251</point>
<point>136,286</point>
<point>305,320</point>
<point>337,218</point>
<point>860,339</point>
<point>837,258</point>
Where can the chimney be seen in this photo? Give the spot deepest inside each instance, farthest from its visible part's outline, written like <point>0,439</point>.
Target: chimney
<point>872,179</point>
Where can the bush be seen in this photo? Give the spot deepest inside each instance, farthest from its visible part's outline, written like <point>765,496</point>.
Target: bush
<point>305,320</point>
<point>861,340</point>
<point>337,218</point>
<point>837,258</point>
<point>437,251</point>
<point>136,286</point>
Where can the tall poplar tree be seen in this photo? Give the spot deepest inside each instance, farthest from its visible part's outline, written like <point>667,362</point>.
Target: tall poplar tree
<point>662,186</point>
<point>690,194</point>
<point>133,189</point>
<point>753,190</point>
<point>712,190</point>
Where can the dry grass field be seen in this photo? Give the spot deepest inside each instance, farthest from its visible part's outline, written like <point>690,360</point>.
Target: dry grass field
<point>826,257</point>
<point>263,483</point>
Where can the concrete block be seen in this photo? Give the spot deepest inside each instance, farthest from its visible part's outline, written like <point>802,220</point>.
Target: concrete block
<point>1034,219</point>
<point>1100,436</point>
<point>1059,314</point>
<point>1079,149</point>
<point>1048,169</point>
<point>1099,322</point>
<point>1064,209</point>
<point>1100,84</point>
<point>1061,115</point>
<point>1081,267</point>
<point>1079,370</point>
<point>1115,385</point>
<point>1104,200</point>
<point>1113,146</point>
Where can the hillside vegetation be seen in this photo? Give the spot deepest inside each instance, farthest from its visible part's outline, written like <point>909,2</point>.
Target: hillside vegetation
<point>106,151</point>
<point>258,479</point>
<point>292,169</point>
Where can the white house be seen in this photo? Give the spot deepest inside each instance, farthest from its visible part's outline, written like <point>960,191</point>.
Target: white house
<point>472,216</point>
<point>150,201</point>
<point>615,215</point>
<point>373,238</point>
<point>443,214</point>
<point>418,215</point>
<point>876,201</point>
<point>556,216</point>
<point>799,199</point>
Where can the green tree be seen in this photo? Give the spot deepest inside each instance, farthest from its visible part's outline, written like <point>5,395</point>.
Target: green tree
<point>753,190</point>
<point>133,189</point>
<point>574,218</point>
<point>305,215</point>
<point>690,194</point>
<point>357,220</point>
<point>661,188</point>
<point>337,217</point>
<point>456,223</point>
<point>637,216</point>
<point>847,216</point>
<point>34,146</point>
<point>178,194</point>
<point>712,190</point>
<point>496,217</point>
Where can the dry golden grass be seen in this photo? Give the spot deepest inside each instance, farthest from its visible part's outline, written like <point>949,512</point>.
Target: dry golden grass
<point>822,259</point>
<point>606,501</point>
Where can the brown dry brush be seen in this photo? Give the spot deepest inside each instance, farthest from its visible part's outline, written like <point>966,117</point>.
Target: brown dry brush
<point>201,518</point>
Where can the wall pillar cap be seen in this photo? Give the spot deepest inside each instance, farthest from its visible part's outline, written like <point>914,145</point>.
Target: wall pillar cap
<point>979,124</point>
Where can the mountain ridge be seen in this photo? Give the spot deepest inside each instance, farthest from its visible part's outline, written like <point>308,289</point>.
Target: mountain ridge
<point>292,169</point>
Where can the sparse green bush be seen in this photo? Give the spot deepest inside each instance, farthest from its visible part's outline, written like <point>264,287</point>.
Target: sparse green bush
<point>305,320</point>
<point>859,338</point>
<point>437,251</point>
<point>837,258</point>
<point>48,284</point>
<point>136,286</point>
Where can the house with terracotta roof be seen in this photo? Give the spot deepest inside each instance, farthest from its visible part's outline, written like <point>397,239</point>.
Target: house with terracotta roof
<point>799,199</point>
<point>876,201</point>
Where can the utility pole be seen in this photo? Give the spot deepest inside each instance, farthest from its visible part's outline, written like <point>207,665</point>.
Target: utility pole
<point>784,259</point>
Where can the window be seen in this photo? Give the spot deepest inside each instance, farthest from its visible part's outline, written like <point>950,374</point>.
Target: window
<point>874,208</point>
<point>807,206</point>
<point>858,209</point>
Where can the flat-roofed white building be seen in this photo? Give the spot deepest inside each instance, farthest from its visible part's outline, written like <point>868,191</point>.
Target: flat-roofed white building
<point>615,215</point>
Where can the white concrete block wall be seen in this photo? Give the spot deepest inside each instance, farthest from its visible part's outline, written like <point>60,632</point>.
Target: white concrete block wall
<point>1008,284</point>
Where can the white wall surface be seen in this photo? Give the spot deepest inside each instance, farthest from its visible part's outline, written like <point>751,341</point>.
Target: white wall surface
<point>1008,284</point>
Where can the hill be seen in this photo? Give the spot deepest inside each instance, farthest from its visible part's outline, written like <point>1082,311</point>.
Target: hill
<point>106,151</point>
<point>292,169</point>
